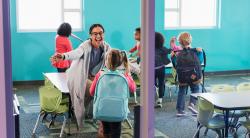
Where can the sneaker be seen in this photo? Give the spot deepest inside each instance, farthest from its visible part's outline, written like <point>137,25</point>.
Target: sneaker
<point>192,109</point>
<point>159,103</point>
<point>180,113</point>
<point>159,100</point>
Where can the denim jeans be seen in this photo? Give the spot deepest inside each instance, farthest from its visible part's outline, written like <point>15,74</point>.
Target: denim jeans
<point>181,96</point>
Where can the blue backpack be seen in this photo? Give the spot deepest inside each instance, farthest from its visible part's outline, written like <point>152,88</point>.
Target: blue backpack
<point>111,97</point>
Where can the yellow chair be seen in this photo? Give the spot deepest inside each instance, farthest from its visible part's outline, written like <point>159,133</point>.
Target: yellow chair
<point>52,102</point>
<point>172,81</point>
<point>222,88</point>
<point>245,86</point>
<point>207,119</point>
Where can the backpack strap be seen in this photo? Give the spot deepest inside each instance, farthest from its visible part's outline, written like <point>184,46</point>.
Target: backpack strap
<point>194,54</point>
<point>204,58</point>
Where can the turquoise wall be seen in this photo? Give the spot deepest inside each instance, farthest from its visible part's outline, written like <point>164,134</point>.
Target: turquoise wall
<point>31,51</point>
<point>226,47</point>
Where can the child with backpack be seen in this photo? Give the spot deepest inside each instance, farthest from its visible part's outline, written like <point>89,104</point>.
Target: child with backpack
<point>176,48</point>
<point>188,67</point>
<point>110,89</point>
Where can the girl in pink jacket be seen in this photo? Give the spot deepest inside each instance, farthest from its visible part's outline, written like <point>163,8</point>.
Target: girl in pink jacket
<point>114,59</point>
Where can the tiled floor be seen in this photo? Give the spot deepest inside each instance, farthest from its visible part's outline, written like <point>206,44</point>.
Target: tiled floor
<point>184,127</point>
<point>29,100</point>
<point>166,123</point>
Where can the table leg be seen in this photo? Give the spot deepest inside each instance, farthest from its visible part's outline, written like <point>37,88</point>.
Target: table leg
<point>198,133</point>
<point>226,123</point>
<point>203,81</point>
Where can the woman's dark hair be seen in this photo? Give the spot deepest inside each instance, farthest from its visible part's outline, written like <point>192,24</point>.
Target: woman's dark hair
<point>94,26</point>
<point>64,29</point>
<point>159,40</point>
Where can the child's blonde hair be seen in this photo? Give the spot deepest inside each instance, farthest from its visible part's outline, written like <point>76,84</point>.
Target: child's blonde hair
<point>185,39</point>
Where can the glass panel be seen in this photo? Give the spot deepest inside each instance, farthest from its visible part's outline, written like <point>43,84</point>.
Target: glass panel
<point>74,18</point>
<point>171,4</point>
<point>32,14</point>
<point>72,4</point>
<point>198,13</point>
<point>171,19</point>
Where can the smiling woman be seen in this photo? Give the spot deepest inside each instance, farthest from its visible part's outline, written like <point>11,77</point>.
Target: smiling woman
<point>87,60</point>
<point>96,32</point>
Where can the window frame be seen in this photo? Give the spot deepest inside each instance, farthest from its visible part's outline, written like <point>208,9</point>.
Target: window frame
<point>181,27</point>
<point>63,10</point>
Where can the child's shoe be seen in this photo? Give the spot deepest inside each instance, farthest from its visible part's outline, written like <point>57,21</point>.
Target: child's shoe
<point>180,113</point>
<point>159,103</point>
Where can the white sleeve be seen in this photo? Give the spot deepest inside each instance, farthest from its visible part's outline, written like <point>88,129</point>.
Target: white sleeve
<point>76,53</point>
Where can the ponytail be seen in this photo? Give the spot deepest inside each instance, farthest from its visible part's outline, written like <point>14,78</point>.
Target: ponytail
<point>125,61</point>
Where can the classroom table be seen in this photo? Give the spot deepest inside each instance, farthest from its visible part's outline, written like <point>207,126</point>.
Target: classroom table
<point>227,101</point>
<point>59,80</point>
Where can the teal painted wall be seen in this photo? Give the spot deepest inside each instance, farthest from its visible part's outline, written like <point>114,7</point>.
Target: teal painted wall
<point>228,47</point>
<point>31,51</point>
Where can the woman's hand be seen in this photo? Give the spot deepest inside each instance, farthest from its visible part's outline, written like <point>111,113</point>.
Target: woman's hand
<point>57,57</point>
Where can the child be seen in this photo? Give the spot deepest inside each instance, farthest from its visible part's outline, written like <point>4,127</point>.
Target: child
<point>182,62</point>
<point>176,48</point>
<point>161,60</point>
<point>114,59</point>
<point>63,45</point>
<point>173,46</point>
<point>137,48</point>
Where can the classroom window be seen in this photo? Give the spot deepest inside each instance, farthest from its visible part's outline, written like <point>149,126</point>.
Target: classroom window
<point>191,14</point>
<point>47,15</point>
